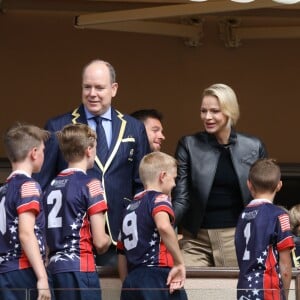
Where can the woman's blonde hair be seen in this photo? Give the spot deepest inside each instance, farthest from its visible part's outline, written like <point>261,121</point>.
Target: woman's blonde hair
<point>294,213</point>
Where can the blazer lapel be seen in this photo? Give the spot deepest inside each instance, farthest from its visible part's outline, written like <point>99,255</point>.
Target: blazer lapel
<point>118,129</point>
<point>78,115</point>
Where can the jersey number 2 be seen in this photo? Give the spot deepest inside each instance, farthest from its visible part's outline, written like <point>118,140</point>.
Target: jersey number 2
<point>55,199</point>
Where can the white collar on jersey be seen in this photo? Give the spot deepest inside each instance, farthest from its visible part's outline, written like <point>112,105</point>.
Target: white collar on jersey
<point>68,170</point>
<point>18,172</point>
<point>260,201</point>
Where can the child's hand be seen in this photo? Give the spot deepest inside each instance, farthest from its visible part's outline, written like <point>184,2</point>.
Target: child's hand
<point>43,289</point>
<point>176,278</point>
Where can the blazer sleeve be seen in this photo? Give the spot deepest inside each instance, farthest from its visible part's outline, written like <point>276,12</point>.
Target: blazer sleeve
<point>142,149</point>
<point>50,166</point>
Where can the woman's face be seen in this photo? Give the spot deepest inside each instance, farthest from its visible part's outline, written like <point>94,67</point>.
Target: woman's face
<point>214,120</point>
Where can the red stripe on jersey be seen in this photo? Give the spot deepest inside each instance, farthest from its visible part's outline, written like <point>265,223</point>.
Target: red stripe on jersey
<point>33,205</point>
<point>64,173</point>
<point>29,189</point>
<point>271,278</point>
<point>97,207</point>
<point>284,222</point>
<point>95,188</point>
<point>165,258</point>
<point>87,261</point>
<point>23,261</point>
<point>286,243</point>
<point>164,208</point>
<point>120,247</point>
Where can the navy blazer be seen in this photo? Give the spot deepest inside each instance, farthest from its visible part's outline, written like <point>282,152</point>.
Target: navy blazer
<point>119,175</point>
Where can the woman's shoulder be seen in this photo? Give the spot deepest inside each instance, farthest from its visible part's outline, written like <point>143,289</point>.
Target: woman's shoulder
<point>248,137</point>
<point>194,141</point>
<point>201,135</point>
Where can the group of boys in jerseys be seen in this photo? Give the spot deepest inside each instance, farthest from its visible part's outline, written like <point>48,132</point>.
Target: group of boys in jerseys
<point>63,226</point>
<point>72,212</point>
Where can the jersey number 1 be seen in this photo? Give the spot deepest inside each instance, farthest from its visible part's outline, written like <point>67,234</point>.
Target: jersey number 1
<point>247,234</point>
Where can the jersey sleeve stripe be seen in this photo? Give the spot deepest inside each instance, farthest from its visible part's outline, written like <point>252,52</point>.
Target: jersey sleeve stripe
<point>97,207</point>
<point>31,206</point>
<point>164,208</point>
<point>286,243</point>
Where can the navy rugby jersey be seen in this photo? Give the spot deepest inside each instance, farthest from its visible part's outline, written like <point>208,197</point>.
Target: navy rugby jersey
<point>139,238</point>
<point>69,200</point>
<point>262,231</point>
<point>18,195</point>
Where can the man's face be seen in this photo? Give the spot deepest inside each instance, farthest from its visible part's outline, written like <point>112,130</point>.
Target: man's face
<point>154,131</point>
<point>97,89</point>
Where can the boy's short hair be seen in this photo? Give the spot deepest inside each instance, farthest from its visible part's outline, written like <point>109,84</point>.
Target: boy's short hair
<point>74,139</point>
<point>294,213</point>
<point>21,138</point>
<point>153,163</point>
<point>264,175</point>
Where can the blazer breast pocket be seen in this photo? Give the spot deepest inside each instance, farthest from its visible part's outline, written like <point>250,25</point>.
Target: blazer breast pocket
<point>128,145</point>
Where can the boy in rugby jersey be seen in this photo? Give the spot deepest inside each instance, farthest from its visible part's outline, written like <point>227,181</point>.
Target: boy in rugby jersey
<point>22,224</point>
<point>294,214</point>
<point>149,261</point>
<point>75,218</point>
<point>263,238</point>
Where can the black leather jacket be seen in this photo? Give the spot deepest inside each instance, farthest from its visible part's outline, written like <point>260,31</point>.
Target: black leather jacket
<point>198,157</point>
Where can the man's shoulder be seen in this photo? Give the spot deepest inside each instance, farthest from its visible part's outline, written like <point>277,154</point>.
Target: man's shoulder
<point>129,119</point>
<point>60,117</point>
<point>61,120</point>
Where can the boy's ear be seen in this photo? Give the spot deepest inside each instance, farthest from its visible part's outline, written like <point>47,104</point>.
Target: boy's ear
<point>162,175</point>
<point>33,153</point>
<point>279,186</point>
<point>88,151</point>
<point>249,185</point>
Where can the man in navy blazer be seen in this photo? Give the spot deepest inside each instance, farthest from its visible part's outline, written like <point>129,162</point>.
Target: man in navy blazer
<point>126,138</point>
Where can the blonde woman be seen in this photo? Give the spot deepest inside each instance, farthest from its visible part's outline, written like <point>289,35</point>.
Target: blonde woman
<point>211,189</point>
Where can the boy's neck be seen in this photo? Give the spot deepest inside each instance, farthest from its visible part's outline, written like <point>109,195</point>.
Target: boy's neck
<point>78,165</point>
<point>22,166</point>
<point>153,187</point>
<point>268,196</point>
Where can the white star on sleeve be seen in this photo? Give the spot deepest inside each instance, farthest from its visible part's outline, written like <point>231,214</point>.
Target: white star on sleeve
<point>13,229</point>
<point>152,243</point>
<point>260,260</point>
<point>73,226</point>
